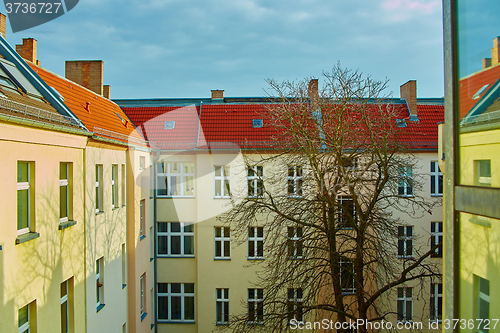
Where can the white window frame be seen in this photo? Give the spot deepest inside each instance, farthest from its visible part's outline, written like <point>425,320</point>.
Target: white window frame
<point>25,327</point>
<point>481,296</point>
<point>169,234</point>
<point>437,178</point>
<point>483,178</point>
<point>168,174</point>
<point>99,279</point>
<point>222,240</point>
<point>255,240</point>
<point>436,238</point>
<point>142,294</point>
<point>142,162</point>
<point>124,185</point>
<point>406,301</point>
<point>25,186</point>
<point>255,181</point>
<point>295,301</point>
<point>295,176</point>
<point>436,301</point>
<point>142,221</point>
<point>222,306</point>
<point>65,306</point>
<point>405,185</point>
<point>256,302</point>
<point>222,174</point>
<point>114,186</point>
<point>99,202</point>
<point>295,248</point>
<point>404,240</point>
<point>344,200</point>
<point>183,296</point>
<point>64,183</point>
<point>347,268</point>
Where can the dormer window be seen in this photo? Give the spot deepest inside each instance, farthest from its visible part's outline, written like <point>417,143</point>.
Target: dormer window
<point>169,124</point>
<point>257,123</point>
<point>480,91</point>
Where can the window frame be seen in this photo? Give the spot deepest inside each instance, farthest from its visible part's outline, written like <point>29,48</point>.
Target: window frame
<point>169,234</point>
<point>406,301</point>
<point>295,248</point>
<point>404,239</point>
<point>25,186</point>
<point>124,185</point>
<point>142,219</point>
<point>344,200</point>
<point>142,287</point>
<point>224,180</point>
<point>99,188</point>
<point>347,276</point>
<point>67,183</point>
<point>26,326</point>
<point>295,176</point>
<point>183,295</point>
<point>223,239</point>
<point>222,306</point>
<point>255,181</point>
<point>99,279</point>
<point>482,296</point>
<point>256,240</point>
<point>255,305</point>
<point>114,186</point>
<point>436,302</point>
<point>295,298</point>
<point>436,238</point>
<point>405,184</point>
<point>436,180</point>
<point>65,300</point>
<point>167,174</point>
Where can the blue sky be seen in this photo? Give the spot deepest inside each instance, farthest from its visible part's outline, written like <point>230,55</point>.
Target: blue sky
<point>185,48</point>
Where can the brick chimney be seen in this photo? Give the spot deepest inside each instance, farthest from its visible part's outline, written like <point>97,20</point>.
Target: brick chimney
<point>312,92</point>
<point>2,24</point>
<point>495,51</point>
<point>87,73</point>
<point>408,92</point>
<point>105,91</point>
<point>217,95</point>
<point>27,50</point>
<point>486,63</point>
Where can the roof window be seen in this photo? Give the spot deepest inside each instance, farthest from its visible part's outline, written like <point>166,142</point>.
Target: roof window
<point>257,123</point>
<point>57,93</point>
<point>401,123</point>
<point>480,91</point>
<point>125,122</point>
<point>169,124</point>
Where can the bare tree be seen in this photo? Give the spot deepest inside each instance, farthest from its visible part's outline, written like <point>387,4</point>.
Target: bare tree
<point>339,172</point>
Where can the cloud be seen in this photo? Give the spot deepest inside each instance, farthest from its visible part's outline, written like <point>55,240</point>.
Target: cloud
<point>412,5</point>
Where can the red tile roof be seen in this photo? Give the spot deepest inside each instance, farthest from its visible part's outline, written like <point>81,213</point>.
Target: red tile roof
<point>471,84</point>
<point>100,115</point>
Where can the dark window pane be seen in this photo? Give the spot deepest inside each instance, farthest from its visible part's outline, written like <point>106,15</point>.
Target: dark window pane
<point>175,246</point>
<point>188,245</point>
<point>162,307</point>
<point>175,227</point>
<point>189,308</point>
<point>162,244</point>
<point>189,287</point>
<point>176,307</point>
<point>175,288</point>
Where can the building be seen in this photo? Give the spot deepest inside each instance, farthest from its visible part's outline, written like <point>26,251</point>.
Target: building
<point>472,137</point>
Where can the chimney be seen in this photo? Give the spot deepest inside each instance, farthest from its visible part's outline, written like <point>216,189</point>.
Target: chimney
<point>408,92</point>
<point>218,95</point>
<point>105,90</point>
<point>312,92</point>
<point>87,73</point>
<point>486,63</point>
<point>28,49</point>
<point>495,51</point>
<point>2,24</point>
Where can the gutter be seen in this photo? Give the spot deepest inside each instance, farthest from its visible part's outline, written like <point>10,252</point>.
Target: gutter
<point>44,125</point>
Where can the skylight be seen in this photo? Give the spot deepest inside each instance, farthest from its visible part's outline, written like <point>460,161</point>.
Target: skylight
<point>169,124</point>
<point>480,91</point>
<point>57,93</point>
<point>257,123</point>
<point>401,123</point>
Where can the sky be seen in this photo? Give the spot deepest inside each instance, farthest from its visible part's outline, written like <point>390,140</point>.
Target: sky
<point>185,48</point>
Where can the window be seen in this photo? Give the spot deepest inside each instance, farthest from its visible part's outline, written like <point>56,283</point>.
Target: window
<point>405,242</point>
<point>295,181</point>
<point>222,306</point>
<point>349,163</point>
<point>347,276</point>
<point>436,303</point>
<point>175,179</point>
<point>175,239</point>
<point>176,302</point>
<point>99,279</point>
<point>169,124</point>
<point>142,282</point>
<point>24,318</point>
<point>347,212</point>
<point>66,305</point>
<point>436,180</point>
<point>255,306</point>
<point>98,189</point>
<point>483,305</point>
<point>255,243</point>
<point>222,243</point>
<point>142,211</point>
<point>124,267</point>
<point>221,187</point>
<point>257,123</point>
<point>114,186</point>
<point>124,185</point>
<point>405,186</point>
<point>436,238</point>
<point>295,304</point>
<point>294,242</point>
<point>25,196</point>
<point>255,182</point>
<point>405,304</point>
<point>65,192</point>
<point>142,162</point>
<point>483,172</point>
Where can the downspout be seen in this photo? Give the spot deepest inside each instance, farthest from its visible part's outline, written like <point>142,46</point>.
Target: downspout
<point>156,157</point>
<point>199,126</point>
<point>84,174</point>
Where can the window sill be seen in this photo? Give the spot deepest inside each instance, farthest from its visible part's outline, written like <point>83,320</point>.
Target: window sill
<point>482,221</point>
<point>67,224</point>
<point>405,257</point>
<point>223,198</point>
<point>152,326</point>
<point>99,307</point>
<point>222,259</point>
<point>142,237</point>
<point>124,285</point>
<point>163,321</point>
<point>116,208</point>
<point>176,256</point>
<point>175,196</point>
<point>151,259</point>
<point>99,212</point>
<point>255,258</point>
<point>27,237</point>
<point>437,195</point>
<point>143,316</point>
<point>221,324</point>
